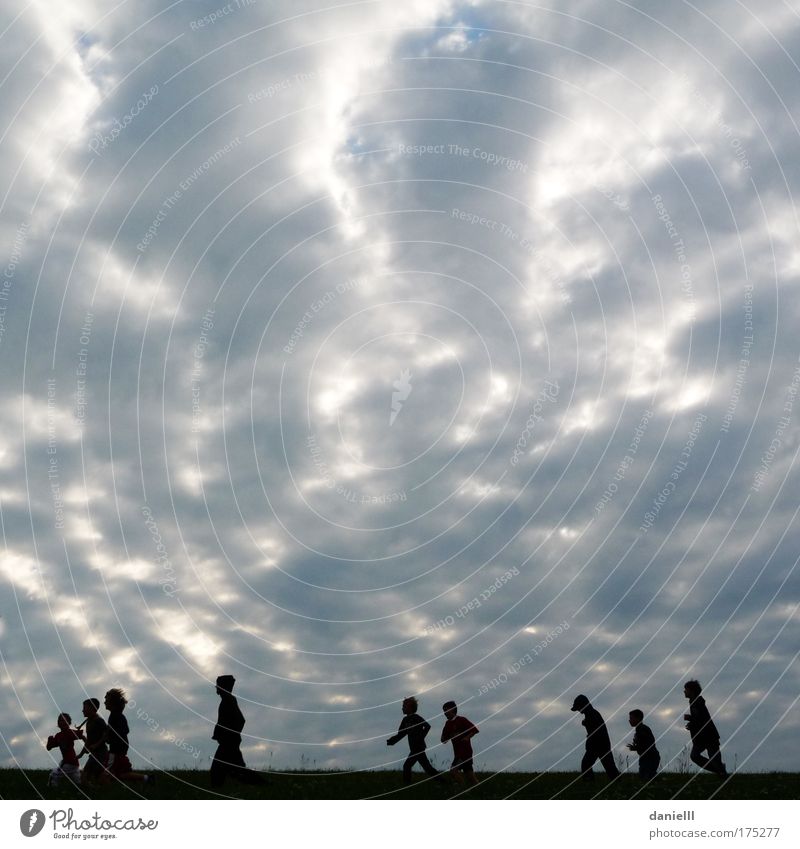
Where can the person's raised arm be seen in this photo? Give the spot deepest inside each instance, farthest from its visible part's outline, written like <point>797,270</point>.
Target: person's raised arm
<point>85,748</point>
<point>401,732</point>
<point>396,738</point>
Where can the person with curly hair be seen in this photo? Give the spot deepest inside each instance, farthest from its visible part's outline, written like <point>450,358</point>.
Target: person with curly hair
<point>119,766</point>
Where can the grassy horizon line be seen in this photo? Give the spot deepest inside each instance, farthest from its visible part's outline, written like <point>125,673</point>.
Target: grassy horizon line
<point>184,784</point>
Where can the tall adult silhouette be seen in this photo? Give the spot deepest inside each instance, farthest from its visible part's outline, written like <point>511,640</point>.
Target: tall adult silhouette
<point>228,759</point>
<point>705,736</point>
<point>598,744</point>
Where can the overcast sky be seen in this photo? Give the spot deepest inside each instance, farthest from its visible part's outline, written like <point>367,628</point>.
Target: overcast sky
<point>376,349</point>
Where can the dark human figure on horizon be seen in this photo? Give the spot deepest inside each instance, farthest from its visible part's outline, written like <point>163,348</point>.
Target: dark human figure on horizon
<point>228,758</point>
<point>644,744</point>
<point>94,744</point>
<point>117,731</point>
<point>598,744</point>
<point>705,736</point>
<point>64,741</point>
<point>416,729</point>
<point>461,731</point>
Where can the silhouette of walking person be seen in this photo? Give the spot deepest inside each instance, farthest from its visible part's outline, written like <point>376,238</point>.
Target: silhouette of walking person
<point>117,731</point>
<point>460,731</point>
<point>416,729</point>
<point>94,744</point>
<point>644,744</point>
<point>64,740</point>
<point>598,744</point>
<point>228,759</point>
<point>705,736</point>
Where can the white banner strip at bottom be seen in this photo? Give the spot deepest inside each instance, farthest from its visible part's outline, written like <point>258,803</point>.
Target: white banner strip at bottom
<point>392,824</point>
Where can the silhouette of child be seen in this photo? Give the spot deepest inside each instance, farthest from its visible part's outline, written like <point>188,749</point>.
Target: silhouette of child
<point>416,729</point>
<point>64,740</point>
<point>117,733</point>
<point>644,744</point>
<point>94,745</point>
<point>461,731</point>
<point>705,736</point>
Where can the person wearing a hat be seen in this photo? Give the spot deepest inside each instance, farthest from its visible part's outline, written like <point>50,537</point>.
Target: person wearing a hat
<point>228,759</point>
<point>598,744</point>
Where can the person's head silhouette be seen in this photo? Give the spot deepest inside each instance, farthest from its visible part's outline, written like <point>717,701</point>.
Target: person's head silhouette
<point>90,707</point>
<point>635,717</point>
<point>225,685</point>
<point>692,689</point>
<point>580,703</point>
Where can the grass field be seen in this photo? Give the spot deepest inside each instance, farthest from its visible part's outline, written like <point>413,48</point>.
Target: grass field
<point>194,784</point>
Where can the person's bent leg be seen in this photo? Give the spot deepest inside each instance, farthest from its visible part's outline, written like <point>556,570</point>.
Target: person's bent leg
<point>648,767</point>
<point>714,763</point>
<point>407,766</point>
<point>92,771</point>
<point>219,768</point>
<point>123,771</point>
<point>456,774</point>
<point>607,760</point>
<point>430,769</point>
<point>227,761</point>
<point>217,773</point>
<point>697,757</point>
<point>587,762</point>
<point>238,769</point>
